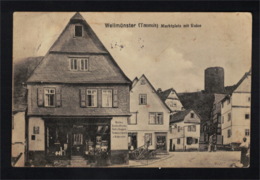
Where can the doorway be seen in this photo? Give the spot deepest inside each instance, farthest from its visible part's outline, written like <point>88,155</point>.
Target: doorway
<point>161,143</point>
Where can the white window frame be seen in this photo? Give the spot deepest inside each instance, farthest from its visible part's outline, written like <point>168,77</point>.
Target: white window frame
<point>79,63</point>
<point>48,92</point>
<point>144,97</point>
<point>73,65</point>
<point>105,97</point>
<point>93,94</point>
<point>156,115</point>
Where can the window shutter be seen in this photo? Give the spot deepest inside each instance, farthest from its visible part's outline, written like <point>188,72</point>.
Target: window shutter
<point>40,97</point>
<point>82,98</point>
<point>58,97</point>
<point>115,98</point>
<point>99,96</point>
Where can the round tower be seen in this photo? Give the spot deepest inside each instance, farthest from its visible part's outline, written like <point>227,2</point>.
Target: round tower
<point>214,80</point>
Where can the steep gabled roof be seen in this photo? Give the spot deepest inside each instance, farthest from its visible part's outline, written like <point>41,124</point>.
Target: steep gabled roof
<point>54,68</point>
<point>165,94</point>
<point>143,76</point>
<point>231,89</point>
<point>200,102</point>
<point>179,116</point>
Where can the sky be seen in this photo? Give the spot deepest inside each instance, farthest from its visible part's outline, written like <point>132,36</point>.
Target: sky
<point>169,57</point>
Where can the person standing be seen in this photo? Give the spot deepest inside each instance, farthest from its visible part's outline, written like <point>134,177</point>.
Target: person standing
<point>244,150</point>
<point>210,143</point>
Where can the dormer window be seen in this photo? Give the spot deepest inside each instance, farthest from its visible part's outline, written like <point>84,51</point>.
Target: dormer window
<point>78,31</point>
<point>79,64</point>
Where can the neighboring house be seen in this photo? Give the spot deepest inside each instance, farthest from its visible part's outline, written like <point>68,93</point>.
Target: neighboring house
<point>202,103</point>
<point>149,122</point>
<point>184,130</point>
<point>18,138</point>
<point>235,111</point>
<point>215,126</point>
<point>170,97</point>
<point>78,99</point>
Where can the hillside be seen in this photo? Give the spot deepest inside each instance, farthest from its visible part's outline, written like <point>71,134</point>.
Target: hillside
<point>21,72</point>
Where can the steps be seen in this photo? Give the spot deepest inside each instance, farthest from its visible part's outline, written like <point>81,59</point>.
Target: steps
<point>78,161</point>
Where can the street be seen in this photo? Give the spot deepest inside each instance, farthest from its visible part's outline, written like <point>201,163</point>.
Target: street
<point>220,159</point>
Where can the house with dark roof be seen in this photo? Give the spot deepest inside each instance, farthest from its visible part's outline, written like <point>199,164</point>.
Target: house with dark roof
<point>235,112</point>
<point>184,130</point>
<point>78,100</point>
<point>171,98</point>
<point>149,123</point>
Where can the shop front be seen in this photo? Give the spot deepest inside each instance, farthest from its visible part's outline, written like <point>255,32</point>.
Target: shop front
<point>88,138</point>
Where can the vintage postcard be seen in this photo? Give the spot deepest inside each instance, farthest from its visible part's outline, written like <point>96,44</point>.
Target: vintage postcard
<point>104,89</point>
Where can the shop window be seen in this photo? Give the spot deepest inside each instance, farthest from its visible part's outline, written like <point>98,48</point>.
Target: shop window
<point>247,132</point>
<point>142,99</point>
<point>107,98</point>
<point>229,133</point>
<point>229,116</point>
<point>78,31</point>
<point>178,141</point>
<point>247,116</point>
<point>155,118</point>
<point>49,97</point>
<point>148,138</point>
<point>132,141</point>
<point>91,98</point>
<point>132,119</point>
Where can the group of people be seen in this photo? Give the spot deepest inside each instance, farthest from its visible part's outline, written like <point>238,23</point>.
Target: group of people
<point>244,147</point>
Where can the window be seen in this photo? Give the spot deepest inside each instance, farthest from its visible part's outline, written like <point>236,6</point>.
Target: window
<point>223,103</point>
<point>247,132</point>
<point>107,98</point>
<point>191,115</point>
<point>178,141</point>
<point>143,82</point>
<point>133,118</point>
<point>36,130</point>
<point>222,119</point>
<point>249,99</point>
<point>155,118</point>
<point>229,116</point>
<point>229,133</point>
<point>84,64</point>
<point>247,116</point>
<point>192,128</point>
<point>219,118</point>
<point>148,138</point>
<point>91,98</point>
<point>142,99</point>
<point>189,140</point>
<point>179,128</point>
<point>78,31</point>
<point>49,97</point>
<point>79,64</point>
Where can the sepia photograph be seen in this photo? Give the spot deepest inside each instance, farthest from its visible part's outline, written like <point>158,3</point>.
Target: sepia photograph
<point>131,89</point>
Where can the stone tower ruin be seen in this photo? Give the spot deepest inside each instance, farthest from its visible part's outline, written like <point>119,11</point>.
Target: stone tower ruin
<point>214,80</point>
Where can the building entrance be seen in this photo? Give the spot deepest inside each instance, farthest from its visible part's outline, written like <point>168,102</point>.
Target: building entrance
<point>88,138</point>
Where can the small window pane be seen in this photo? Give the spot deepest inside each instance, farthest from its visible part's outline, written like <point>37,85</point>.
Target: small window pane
<point>78,31</point>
